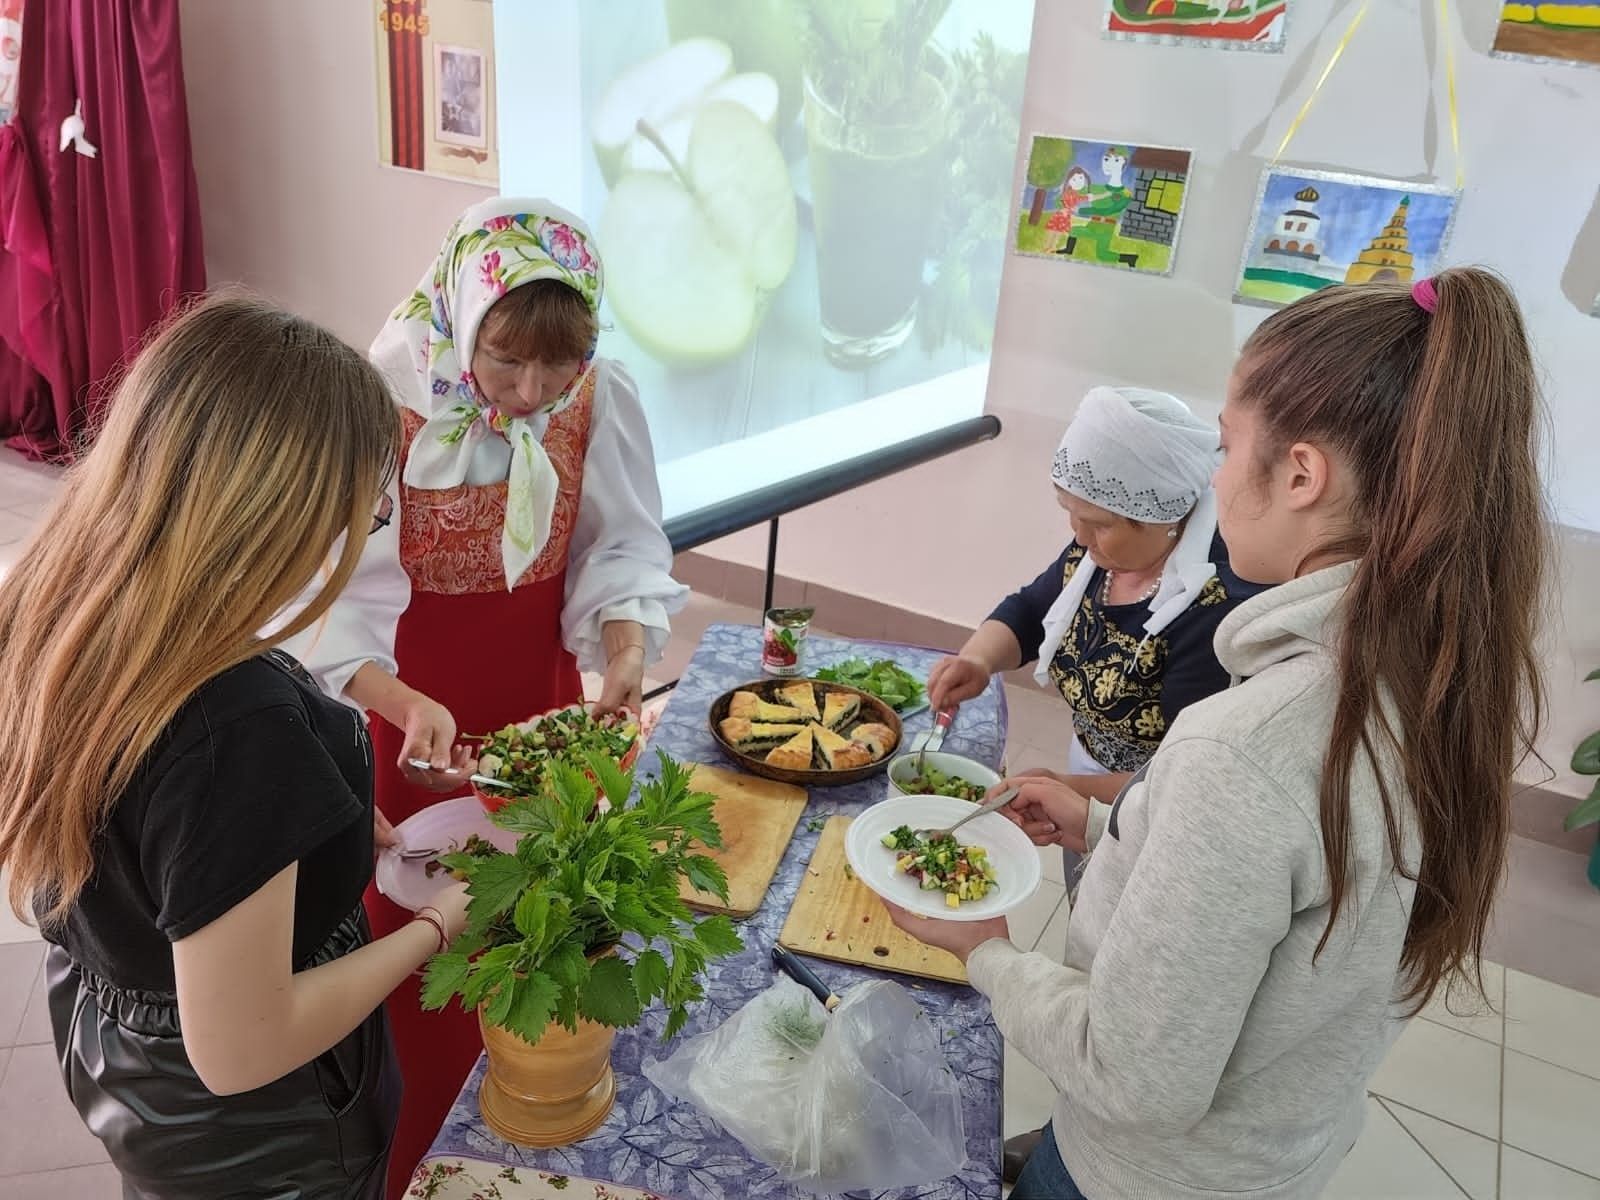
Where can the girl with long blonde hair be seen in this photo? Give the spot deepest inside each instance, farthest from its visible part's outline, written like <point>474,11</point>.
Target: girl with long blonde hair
<point>187,815</point>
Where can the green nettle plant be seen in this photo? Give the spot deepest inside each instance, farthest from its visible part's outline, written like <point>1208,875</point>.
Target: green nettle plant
<point>545,925</point>
<point>1586,761</point>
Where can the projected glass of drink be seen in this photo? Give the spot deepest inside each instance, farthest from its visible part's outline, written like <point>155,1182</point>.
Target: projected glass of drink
<point>875,174</point>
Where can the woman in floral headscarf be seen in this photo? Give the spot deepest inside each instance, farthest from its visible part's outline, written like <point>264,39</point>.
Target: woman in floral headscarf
<point>529,547</point>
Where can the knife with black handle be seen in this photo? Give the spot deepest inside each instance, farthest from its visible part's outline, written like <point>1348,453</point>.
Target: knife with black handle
<point>796,970</point>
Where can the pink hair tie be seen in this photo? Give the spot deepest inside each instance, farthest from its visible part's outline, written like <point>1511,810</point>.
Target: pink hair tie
<point>1426,293</point>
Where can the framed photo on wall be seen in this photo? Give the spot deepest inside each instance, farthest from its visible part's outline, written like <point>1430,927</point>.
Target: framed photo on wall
<point>460,100</point>
<point>436,88</point>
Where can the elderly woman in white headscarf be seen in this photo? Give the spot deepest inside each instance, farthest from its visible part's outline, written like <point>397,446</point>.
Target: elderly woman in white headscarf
<point>1121,622</point>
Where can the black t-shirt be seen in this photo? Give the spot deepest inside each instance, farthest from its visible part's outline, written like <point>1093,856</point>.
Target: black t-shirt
<point>258,770</point>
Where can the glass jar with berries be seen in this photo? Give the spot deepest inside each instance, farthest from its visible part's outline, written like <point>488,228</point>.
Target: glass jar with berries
<point>783,639</point>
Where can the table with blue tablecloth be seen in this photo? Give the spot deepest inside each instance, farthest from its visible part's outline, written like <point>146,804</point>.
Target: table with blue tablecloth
<point>650,1146</point>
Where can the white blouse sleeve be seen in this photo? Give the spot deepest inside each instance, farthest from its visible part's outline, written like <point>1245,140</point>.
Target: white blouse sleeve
<point>620,561</point>
<point>360,627</point>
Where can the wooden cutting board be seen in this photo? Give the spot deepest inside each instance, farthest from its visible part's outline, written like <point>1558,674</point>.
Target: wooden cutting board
<point>757,817</point>
<point>835,916</point>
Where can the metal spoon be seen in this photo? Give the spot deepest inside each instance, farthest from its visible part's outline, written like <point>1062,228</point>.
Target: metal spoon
<point>988,806</point>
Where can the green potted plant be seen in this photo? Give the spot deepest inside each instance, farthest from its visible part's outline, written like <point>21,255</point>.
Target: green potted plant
<point>543,958</point>
<point>1586,761</point>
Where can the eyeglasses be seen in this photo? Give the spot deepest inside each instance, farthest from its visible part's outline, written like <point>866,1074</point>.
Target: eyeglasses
<point>384,515</point>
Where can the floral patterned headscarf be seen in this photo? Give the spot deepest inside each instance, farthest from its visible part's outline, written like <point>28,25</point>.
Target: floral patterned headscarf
<point>426,347</point>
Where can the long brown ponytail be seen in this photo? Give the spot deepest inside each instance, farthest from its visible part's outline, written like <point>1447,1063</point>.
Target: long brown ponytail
<point>1435,413</point>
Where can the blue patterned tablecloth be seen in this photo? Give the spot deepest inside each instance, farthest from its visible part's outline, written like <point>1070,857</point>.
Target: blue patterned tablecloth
<point>672,1150</point>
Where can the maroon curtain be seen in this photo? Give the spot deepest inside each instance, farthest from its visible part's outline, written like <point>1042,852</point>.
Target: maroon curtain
<point>93,251</point>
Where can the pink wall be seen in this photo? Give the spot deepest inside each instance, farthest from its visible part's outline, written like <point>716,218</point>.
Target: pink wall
<point>946,540</point>
<point>282,110</point>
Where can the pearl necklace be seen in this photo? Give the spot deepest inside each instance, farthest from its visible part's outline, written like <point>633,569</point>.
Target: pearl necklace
<point>1105,590</point>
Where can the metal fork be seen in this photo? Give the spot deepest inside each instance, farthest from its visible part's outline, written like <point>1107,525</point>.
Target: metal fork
<point>934,738</point>
<point>422,764</point>
<point>988,806</point>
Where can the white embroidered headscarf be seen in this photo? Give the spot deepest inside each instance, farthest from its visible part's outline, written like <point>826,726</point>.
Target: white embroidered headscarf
<point>1145,456</point>
<point>425,350</point>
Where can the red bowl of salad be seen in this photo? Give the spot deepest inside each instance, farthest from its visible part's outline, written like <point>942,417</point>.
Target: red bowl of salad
<point>520,754</point>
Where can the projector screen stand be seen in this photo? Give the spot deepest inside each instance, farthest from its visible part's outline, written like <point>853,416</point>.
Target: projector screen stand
<point>772,565</point>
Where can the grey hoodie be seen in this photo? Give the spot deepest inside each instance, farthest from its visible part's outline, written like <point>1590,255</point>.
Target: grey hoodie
<point>1199,1050</point>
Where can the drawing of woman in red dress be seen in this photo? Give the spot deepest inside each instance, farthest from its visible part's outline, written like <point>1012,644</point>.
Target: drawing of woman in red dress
<point>1073,193</point>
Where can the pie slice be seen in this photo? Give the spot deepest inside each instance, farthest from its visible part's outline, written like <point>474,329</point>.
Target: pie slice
<point>795,754</point>
<point>840,708</point>
<point>802,696</point>
<point>876,738</point>
<point>753,708</point>
<point>840,753</point>
<point>749,737</point>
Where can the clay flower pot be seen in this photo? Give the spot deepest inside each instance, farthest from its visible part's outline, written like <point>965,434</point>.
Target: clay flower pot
<point>549,1094</point>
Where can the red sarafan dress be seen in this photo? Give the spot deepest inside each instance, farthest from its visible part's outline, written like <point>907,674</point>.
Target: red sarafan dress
<point>490,656</point>
<point>431,601</point>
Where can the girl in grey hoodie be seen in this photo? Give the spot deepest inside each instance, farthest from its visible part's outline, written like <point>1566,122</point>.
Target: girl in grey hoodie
<point>1313,853</point>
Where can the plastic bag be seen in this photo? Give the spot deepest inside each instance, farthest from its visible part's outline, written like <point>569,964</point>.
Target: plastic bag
<point>859,1099</point>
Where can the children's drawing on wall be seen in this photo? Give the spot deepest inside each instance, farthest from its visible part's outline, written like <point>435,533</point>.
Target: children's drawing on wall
<point>1106,203</point>
<point>1313,229</point>
<point>10,55</point>
<point>1232,24</point>
<point>1563,32</point>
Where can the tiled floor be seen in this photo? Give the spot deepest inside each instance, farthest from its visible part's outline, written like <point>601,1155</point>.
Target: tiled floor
<point>1484,1106</point>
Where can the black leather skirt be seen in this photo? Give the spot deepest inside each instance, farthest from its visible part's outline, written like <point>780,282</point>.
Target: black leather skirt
<point>322,1131</point>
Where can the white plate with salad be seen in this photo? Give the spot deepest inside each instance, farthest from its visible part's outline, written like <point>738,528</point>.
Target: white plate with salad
<point>885,679</point>
<point>990,868</point>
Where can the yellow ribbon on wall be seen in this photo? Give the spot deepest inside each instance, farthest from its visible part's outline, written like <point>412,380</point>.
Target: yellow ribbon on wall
<point>1305,109</point>
<point>1338,53</point>
<point>1450,79</point>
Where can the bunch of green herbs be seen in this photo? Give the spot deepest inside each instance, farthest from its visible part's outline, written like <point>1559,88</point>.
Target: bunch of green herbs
<point>868,58</point>
<point>885,679</point>
<point>962,294</point>
<point>545,925</point>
